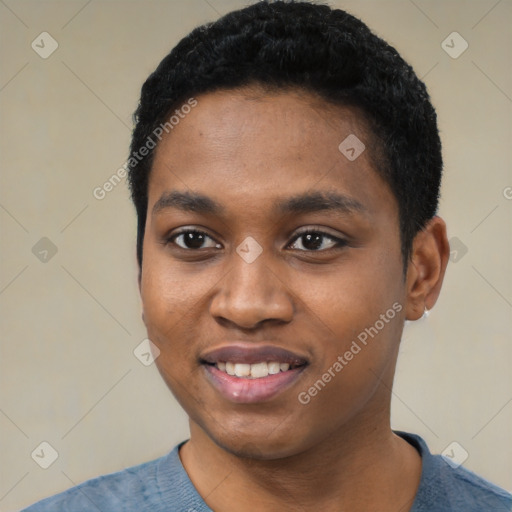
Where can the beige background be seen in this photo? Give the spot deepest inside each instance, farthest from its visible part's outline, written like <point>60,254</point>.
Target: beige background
<point>69,325</point>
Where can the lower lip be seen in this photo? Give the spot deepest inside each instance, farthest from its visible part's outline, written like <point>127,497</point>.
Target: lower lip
<point>248,391</point>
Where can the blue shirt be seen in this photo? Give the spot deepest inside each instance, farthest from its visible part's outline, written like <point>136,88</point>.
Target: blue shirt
<point>163,485</point>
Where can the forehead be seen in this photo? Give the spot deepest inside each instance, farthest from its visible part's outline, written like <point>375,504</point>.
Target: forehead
<point>232,116</point>
<point>252,142</point>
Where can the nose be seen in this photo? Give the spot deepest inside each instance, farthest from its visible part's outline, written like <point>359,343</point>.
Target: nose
<point>251,294</point>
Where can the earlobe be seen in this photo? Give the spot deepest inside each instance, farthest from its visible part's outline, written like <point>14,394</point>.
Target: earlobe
<point>425,274</point>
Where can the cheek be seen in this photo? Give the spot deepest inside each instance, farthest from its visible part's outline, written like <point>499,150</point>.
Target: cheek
<point>175,297</point>
<point>361,317</point>
<point>355,370</point>
<point>168,301</point>
<point>352,297</point>
<point>168,290</point>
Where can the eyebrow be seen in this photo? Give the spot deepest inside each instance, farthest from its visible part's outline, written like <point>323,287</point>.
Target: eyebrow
<point>309,202</point>
<point>187,202</point>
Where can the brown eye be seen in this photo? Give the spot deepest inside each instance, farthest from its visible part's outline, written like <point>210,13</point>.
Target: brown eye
<point>192,239</point>
<point>316,241</point>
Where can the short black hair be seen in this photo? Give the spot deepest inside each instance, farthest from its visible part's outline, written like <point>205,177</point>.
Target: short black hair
<point>318,49</point>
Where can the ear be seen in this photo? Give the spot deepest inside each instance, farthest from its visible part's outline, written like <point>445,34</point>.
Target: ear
<point>426,269</point>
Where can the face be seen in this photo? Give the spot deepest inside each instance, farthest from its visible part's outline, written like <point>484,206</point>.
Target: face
<point>271,255</point>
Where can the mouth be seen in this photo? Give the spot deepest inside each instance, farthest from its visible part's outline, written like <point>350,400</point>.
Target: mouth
<point>247,374</point>
<point>254,371</point>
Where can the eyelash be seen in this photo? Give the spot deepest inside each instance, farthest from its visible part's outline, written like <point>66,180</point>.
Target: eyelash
<point>339,243</point>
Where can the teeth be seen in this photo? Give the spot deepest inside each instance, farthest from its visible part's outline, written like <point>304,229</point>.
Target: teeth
<point>273,368</point>
<point>242,370</point>
<point>259,370</point>
<point>253,371</point>
<point>230,368</point>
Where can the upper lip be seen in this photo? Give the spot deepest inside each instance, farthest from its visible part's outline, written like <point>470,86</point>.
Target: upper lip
<point>251,354</point>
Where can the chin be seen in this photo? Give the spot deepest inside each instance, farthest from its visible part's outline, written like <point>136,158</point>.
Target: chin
<point>259,450</point>
<point>257,442</point>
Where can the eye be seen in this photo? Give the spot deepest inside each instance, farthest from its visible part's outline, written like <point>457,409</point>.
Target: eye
<point>192,239</point>
<point>314,240</point>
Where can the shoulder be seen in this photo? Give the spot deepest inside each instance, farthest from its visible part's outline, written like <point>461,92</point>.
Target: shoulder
<point>446,486</point>
<point>475,488</point>
<point>132,489</point>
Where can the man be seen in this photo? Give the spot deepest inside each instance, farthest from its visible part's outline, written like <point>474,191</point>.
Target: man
<point>285,169</point>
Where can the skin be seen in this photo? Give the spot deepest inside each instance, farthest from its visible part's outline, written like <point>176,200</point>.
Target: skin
<point>246,149</point>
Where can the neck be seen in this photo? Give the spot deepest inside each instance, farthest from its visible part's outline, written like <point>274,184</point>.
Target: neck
<point>363,466</point>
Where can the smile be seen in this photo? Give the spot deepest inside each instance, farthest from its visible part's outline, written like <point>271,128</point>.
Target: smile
<point>247,373</point>
<point>252,371</point>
